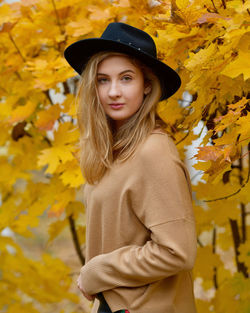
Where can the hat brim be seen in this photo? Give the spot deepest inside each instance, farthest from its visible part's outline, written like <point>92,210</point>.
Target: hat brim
<point>78,54</point>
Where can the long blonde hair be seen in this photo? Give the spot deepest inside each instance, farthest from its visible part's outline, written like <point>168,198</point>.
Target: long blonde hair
<point>100,144</point>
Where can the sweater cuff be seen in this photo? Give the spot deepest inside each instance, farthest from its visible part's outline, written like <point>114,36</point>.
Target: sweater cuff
<point>96,277</point>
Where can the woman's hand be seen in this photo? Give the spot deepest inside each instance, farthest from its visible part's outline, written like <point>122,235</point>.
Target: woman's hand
<point>89,297</point>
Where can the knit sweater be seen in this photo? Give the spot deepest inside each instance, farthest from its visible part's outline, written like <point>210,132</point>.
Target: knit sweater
<point>140,232</point>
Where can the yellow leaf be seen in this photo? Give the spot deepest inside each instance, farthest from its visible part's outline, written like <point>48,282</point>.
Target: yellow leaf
<point>72,175</point>
<point>79,28</point>
<point>56,228</point>
<point>243,126</point>
<point>69,106</point>
<point>22,308</point>
<point>122,3</point>
<point>169,111</point>
<point>224,273</point>
<point>233,295</point>
<point>22,112</point>
<point>239,6</point>
<point>37,65</point>
<point>209,153</point>
<point>7,27</point>
<point>227,120</point>
<point>226,138</point>
<point>74,208</point>
<point>203,305</point>
<point>241,65</point>
<point>206,191</point>
<point>66,133</point>
<point>231,88</point>
<point>182,4</point>
<point>221,211</point>
<point>54,156</point>
<point>208,260</point>
<point>210,17</point>
<point>22,222</point>
<point>97,13</point>
<point>62,200</point>
<point>29,2</point>
<point>201,58</point>
<point>46,119</point>
<point>63,149</point>
<point>244,40</point>
<point>204,222</point>
<point>5,13</point>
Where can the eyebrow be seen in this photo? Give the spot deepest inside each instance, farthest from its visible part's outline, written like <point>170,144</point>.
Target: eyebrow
<point>119,73</point>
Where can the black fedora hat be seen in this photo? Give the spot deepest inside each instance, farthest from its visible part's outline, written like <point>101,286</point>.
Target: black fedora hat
<point>124,38</point>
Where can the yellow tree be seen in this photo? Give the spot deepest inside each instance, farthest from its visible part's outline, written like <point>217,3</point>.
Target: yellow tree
<point>207,42</point>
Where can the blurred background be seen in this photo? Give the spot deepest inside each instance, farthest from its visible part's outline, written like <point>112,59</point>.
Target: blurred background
<point>42,217</point>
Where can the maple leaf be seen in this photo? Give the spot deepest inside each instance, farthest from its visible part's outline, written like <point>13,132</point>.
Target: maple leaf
<point>54,156</point>
<point>72,175</point>
<point>22,112</point>
<point>56,228</point>
<point>210,17</point>
<point>46,118</point>
<point>79,28</point>
<point>241,65</point>
<point>210,153</point>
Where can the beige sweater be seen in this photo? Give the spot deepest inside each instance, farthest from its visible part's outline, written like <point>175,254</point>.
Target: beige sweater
<point>141,236</point>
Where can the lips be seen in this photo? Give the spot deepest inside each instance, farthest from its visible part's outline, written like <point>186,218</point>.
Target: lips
<point>116,105</point>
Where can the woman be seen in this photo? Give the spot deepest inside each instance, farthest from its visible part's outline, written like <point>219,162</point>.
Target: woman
<point>141,238</point>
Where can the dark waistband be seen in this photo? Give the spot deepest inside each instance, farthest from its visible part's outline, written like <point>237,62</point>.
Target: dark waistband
<point>103,307</point>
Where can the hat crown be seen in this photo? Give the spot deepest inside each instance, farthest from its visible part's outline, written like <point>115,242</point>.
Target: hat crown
<point>132,36</point>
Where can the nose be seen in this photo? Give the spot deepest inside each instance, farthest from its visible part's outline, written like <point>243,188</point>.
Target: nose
<point>114,90</point>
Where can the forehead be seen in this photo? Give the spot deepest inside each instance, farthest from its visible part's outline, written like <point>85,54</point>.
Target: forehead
<point>116,63</point>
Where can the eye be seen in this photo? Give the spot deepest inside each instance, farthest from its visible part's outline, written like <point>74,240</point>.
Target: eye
<point>101,80</point>
<point>127,78</point>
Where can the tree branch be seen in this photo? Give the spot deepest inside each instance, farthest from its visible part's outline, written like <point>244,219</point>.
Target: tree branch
<point>214,252</point>
<point>15,45</point>
<point>18,75</point>
<point>183,138</point>
<point>199,242</point>
<point>66,88</point>
<point>46,92</point>
<point>224,4</point>
<point>214,6</point>
<point>243,222</point>
<point>236,239</point>
<point>57,17</point>
<point>231,195</point>
<point>76,240</point>
<point>247,9</point>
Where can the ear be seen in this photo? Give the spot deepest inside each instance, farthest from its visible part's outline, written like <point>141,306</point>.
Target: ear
<point>147,88</point>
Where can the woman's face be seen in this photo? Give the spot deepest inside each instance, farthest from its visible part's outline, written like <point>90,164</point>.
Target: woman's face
<point>121,88</point>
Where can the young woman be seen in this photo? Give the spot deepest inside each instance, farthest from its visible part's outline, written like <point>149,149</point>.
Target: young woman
<point>140,232</point>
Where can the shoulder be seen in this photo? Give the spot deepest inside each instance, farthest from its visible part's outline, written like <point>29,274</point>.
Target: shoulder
<point>159,160</point>
<point>158,146</point>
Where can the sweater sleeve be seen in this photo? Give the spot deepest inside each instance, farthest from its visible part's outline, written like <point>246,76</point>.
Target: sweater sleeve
<point>161,199</point>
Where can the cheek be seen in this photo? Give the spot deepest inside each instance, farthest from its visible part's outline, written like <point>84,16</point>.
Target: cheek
<point>138,92</point>
<point>135,88</point>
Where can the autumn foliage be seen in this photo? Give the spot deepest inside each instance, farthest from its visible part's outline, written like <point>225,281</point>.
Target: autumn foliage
<point>207,42</point>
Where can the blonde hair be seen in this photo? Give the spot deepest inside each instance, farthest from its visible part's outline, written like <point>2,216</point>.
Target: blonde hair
<point>100,145</point>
